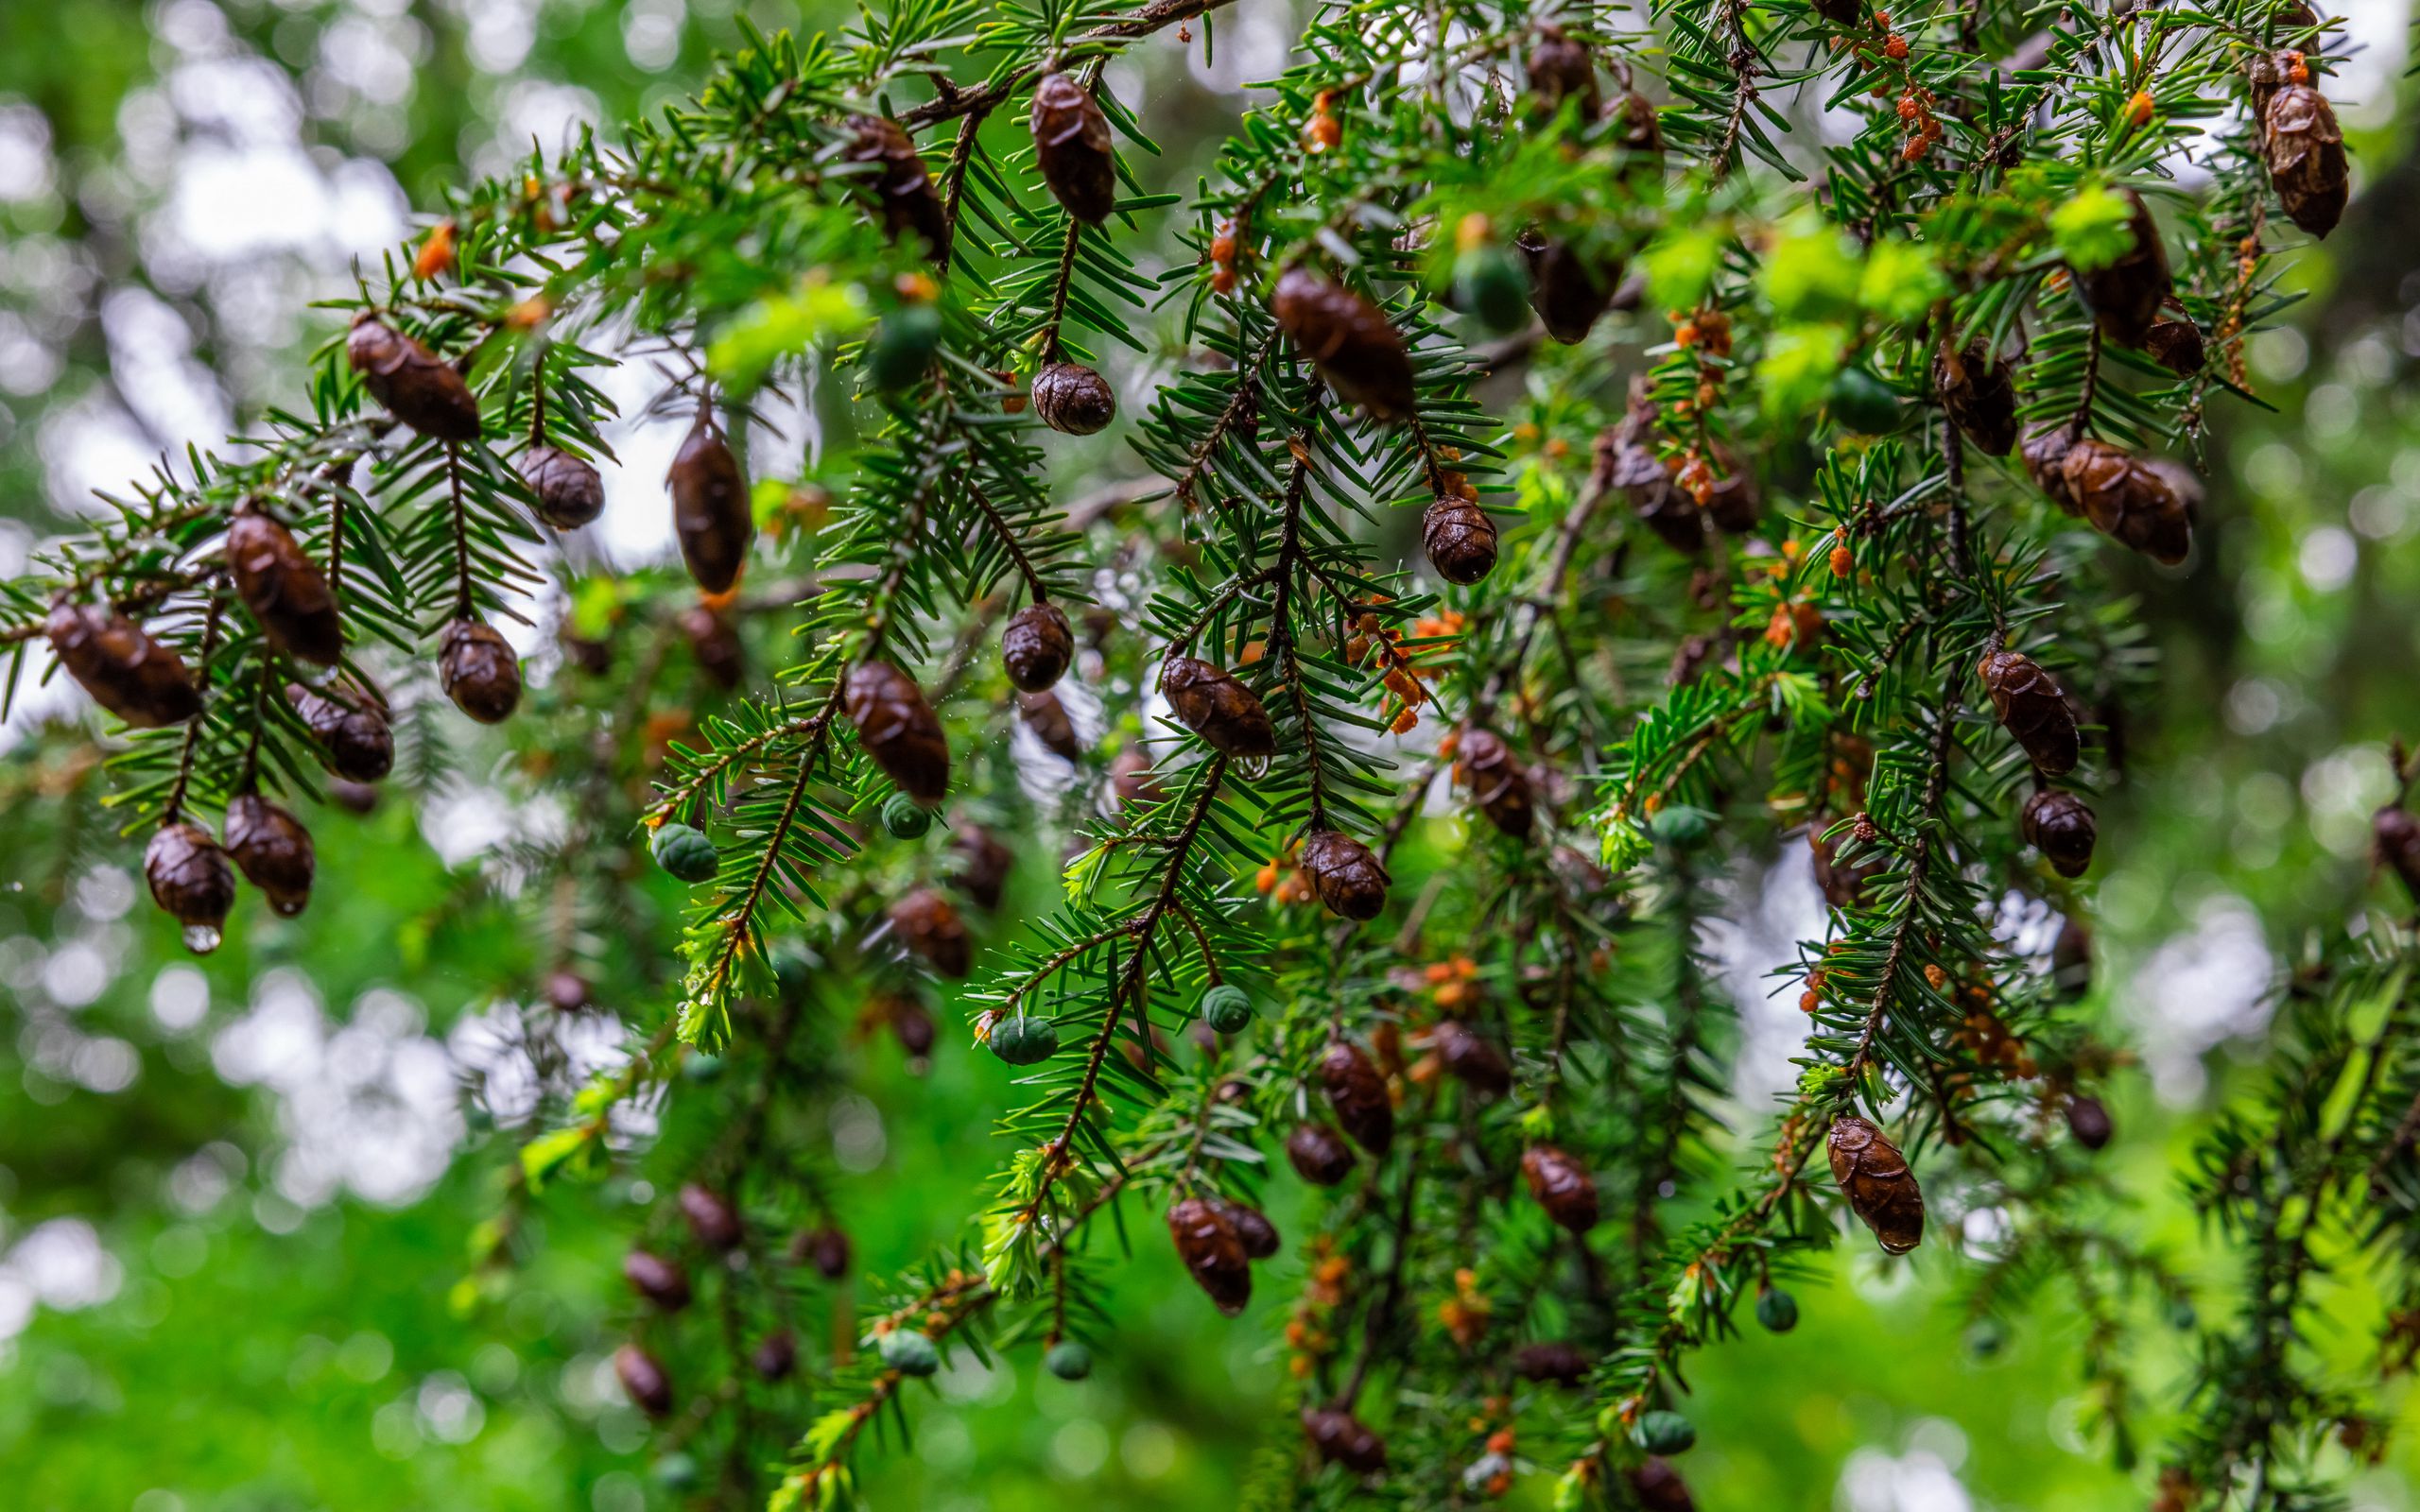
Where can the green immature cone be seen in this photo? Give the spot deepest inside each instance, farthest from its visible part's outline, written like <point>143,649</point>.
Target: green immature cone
<point>1776,1310</point>
<point>1490,284</point>
<point>901,347</point>
<point>1025,1039</point>
<point>1859,402</point>
<point>1665,1433</point>
<point>686,852</point>
<point>903,818</point>
<point>1227,1009</point>
<point>1068,1360</point>
<point>908,1352</point>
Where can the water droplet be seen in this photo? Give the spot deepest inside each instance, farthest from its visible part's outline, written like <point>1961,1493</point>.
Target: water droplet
<point>202,939</point>
<point>287,908</point>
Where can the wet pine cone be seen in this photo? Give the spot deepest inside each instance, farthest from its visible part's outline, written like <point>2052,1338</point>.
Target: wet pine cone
<point>1345,874</point>
<point>929,924</point>
<point>1132,779</point>
<point>776,1357</point>
<point>1318,1154</point>
<point>2175,345</point>
<point>1561,69</point>
<point>1880,1188</point>
<point>2034,708</point>
<point>912,1027</point>
<point>2395,837</point>
<point>1497,783</point>
<point>189,875</point>
<point>1658,1487</point>
<point>1569,290</point>
<point>898,730</point>
<point>1252,1228</point>
<point>1733,504</point>
<point>713,640</point>
<point>286,591</point>
<point>1636,127</point>
<point>2133,502</point>
<point>2088,1121</point>
<point>357,744</point>
<point>417,386</point>
<point>983,864</point>
<point>478,671</point>
<point>116,660</point>
<point>904,189</point>
<point>1561,1186</point>
<point>1556,1362</point>
<point>274,850</point>
<point>2304,149</point>
<point>658,1279</point>
<point>1071,146</point>
<point>1842,883</point>
<point>1048,717</point>
<point>1459,538</point>
<point>2126,295</point>
<point>2059,825</point>
<point>1037,645</point>
<point>1073,399</point>
<point>826,1248</point>
<point>1980,393</point>
<point>1471,1059</point>
<point>710,509</point>
<point>1213,1252</point>
<point>567,489</point>
<point>1349,340</point>
<point>1212,704</point>
<point>710,1216</point>
<point>2045,455</point>
<point>1341,1438</point>
<point>642,1376</point>
<point>1356,1093</point>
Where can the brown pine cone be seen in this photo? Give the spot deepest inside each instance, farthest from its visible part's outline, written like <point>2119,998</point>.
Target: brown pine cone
<point>826,1248</point>
<point>2045,455</point>
<point>912,1027</point>
<point>1497,783</point>
<point>643,1377</point>
<point>1212,1251</point>
<point>1459,538</point>
<point>898,730</point>
<point>2034,708</point>
<point>1980,393</point>
<point>929,924</point>
<point>478,671</point>
<point>776,1357</point>
<point>1733,504</point>
<point>566,990</point>
<point>1345,874</point>
<point>2395,837</point>
<point>1071,146</point>
<point>567,489</point>
<point>1569,291</point>
<point>1349,340</point>
<point>2131,501</point>
<point>656,1278</point>
<point>284,589</point>
<point>711,512</point>
<point>116,660</point>
<point>2304,149</point>
<point>2175,345</point>
<point>1880,1188</point>
<point>1212,704</point>
<point>715,642</point>
<point>2088,1121</point>
<point>1841,12</point>
<point>190,880</point>
<point>419,387</point>
<point>1471,1059</point>
<point>2061,827</point>
<point>903,188</point>
<point>274,850</point>
<point>1561,1186</point>
<point>1356,1093</point>
<point>1073,399</point>
<point>1657,1486</point>
<point>1842,885</point>
<point>1561,69</point>
<point>983,864</point>
<point>1318,1154</point>
<point>1557,1362</point>
<point>1051,725</point>
<point>2126,295</point>
<point>1253,1229</point>
<point>357,744</point>
<point>1036,646</point>
<point>1341,1438</point>
<point>1133,779</point>
<point>710,1217</point>
<point>1636,127</point>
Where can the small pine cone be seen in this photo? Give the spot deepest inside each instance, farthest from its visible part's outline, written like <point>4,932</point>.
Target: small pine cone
<point>1658,1487</point>
<point>419,387</point>
<point>826,1248</point>
<point>1048,717</point>
<point>1213,1252</point>
<point>1072,148</point>
<point>1841,885</point>
<point>776,1357</point>
<point>284,589</point>
<point>566,992</point>
<point>2126,295</point>
<point>929,924</point>
<point>1636,127</point>
<point>478,671</point>
<point>2088,1121</point>
<point>1569,289</point>
<point>1132,779</point>
<point>1874,1177</point>
<point>1841,12</point>
<point>1036,646</point>
<point>1459,539</point>
<point>713,640</point>
<point>2034,708</point>
<point>1497,783</point>
<point>2395,837</point>
<point>2304,149</point>
<point>1341,1438</point>
<point>711,512</point>
<point>899,730</point>
<point>1561,69</point>
<point>710,1217</point>
<point>1472,1060</point>
<point>1318,1154</point>
<point>357,744</point>
<point>190,878</point>
<point>2059,825</point>
<point>1212,704</point>
<point>567,489</point>
<point>983,864</point>
<point>1733,504</point>
<point>1556,1362</point>
<point>273,850</point>
<point>658,1279</point>
<point>2071,957</point>
<point>1073,399</point>
<point>1356,1093</point>
<point>1561,1186</point>
<point>1252,1228</point>
<point>2175,345</point>
<point>116,660</point>
<point>1979,393</point>
<point>903,187</point>
<point>2128,500</point>
<point>643,1377</point>
<point>2045,455</point>
<point>2266,73</point>
<point>912,1027</point>
<point>1350,341</point>
<point>1345,874</point>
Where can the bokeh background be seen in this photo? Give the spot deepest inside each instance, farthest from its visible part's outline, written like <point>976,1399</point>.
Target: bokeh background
<point>238,1196</point>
